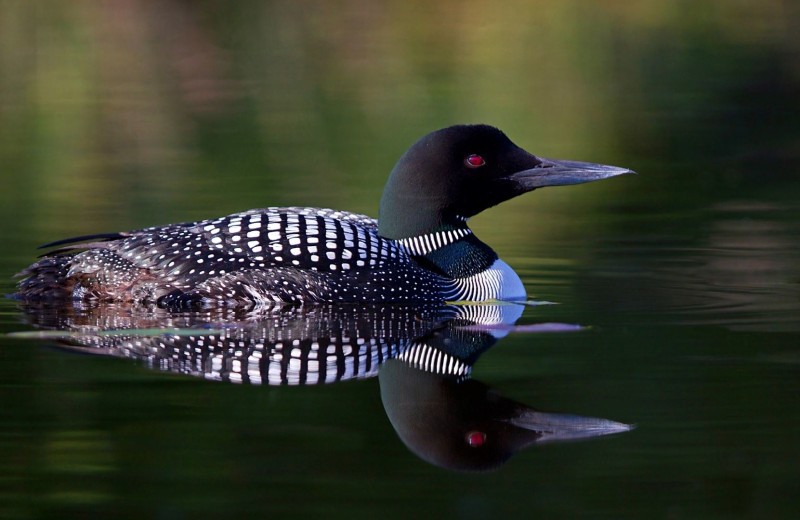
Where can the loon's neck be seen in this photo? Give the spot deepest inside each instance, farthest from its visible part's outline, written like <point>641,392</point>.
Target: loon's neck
<point>455,253</point>
<point>440,241</point>
<point>477,272</point>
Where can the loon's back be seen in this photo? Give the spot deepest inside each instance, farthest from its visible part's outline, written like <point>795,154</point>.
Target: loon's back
<point>264,255</point>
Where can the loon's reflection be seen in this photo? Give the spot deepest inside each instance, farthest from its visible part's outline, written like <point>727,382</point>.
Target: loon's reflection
<point>455,422</point>
<point>423,356</point>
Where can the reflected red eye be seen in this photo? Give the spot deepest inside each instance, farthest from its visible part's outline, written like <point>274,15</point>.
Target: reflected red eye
<point>474,161</point>
<point>476,439</point>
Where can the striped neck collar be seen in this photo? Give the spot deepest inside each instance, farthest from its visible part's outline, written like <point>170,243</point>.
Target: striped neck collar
<point>423,244</point>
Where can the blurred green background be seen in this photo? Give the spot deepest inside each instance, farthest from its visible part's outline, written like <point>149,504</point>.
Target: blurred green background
<point>124,114</point>
<point>146,112</point>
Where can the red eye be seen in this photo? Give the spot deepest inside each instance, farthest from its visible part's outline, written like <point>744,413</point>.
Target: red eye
<point>474,161</point>
<point>476,439</point>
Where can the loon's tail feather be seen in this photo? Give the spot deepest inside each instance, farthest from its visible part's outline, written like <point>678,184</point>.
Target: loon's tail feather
<point>96,274</point>
<point>102,237</point>
<point>46,279</point>
<point>74,248</point>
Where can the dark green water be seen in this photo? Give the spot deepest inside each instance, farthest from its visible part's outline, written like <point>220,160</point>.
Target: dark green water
<point>123,116</point>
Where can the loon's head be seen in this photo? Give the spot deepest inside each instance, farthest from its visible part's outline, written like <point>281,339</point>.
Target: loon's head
<point>457,172</point>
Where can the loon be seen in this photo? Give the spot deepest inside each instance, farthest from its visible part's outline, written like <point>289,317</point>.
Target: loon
<point>420,250</point>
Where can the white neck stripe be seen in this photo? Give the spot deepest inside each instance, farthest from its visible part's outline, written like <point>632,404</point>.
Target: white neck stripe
<point>423,244</point>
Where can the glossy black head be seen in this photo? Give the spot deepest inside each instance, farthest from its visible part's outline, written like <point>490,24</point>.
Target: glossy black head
<point>459,171</point>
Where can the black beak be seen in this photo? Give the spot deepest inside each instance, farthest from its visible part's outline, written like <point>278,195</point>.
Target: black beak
<point>555,172</point>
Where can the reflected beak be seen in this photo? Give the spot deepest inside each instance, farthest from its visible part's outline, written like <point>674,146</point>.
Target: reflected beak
<point>555,172</point>
<point>565,427</point>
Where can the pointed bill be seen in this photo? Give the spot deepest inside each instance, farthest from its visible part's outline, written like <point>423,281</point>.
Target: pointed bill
<point>556,172</point>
